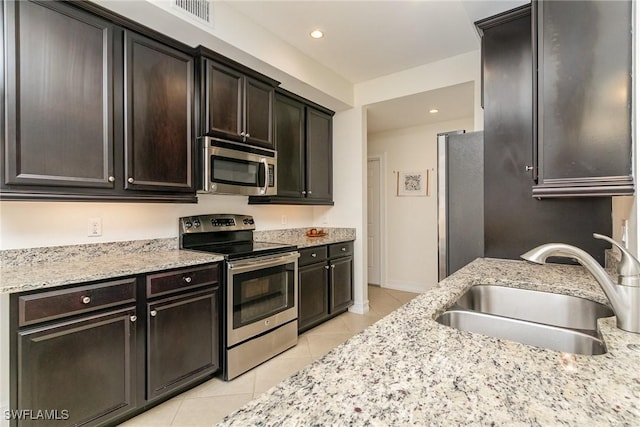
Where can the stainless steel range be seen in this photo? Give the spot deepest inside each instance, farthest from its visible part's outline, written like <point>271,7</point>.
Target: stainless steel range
<point>260,299</point>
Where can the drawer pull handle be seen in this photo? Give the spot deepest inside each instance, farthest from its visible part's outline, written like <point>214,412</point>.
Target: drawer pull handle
<point>314,255</point>
<point>133,318</point>
<point>187,279</point>
<point>86,300</point>
<point>153,313</point>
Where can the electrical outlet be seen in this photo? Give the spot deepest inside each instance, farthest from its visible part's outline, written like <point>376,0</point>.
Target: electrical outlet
<point>94,227</point>
<point>284,219</point>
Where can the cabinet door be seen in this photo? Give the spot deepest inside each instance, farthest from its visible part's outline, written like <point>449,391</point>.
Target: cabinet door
<point>341,284</point>
<point>584,98</point>
<point>289,129</point>
<point>313,299</point>
<point>158,106</point>
<point>182,340</point>
<point>83,369</point>
<point>319,155</point>
<point>258,113</point>
<point>223,101</point>
<point>59,97</point>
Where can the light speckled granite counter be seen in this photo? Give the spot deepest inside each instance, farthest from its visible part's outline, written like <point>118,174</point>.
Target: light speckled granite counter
<point>297,236</point>
<point>36,268</point>
<point>407,369</point>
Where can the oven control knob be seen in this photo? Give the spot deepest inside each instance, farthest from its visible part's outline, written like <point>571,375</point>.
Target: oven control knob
<point>188,224</point>
<point>266,322</point>
<point>196,223</point>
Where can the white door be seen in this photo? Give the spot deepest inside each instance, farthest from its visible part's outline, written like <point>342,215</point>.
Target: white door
<point>373,220</point>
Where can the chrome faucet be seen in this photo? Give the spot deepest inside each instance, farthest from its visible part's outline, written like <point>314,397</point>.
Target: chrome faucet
<point>624,295</point>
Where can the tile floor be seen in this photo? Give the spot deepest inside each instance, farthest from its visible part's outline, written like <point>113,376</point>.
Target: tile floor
<point>211,401</point>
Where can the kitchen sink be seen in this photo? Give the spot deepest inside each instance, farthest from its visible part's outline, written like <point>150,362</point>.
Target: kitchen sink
<point>557,322</point>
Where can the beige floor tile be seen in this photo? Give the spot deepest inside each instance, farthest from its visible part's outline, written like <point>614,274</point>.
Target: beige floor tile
<point>321,344</point>
<point>275,370</point>
<point>384,306</point>
<point>356,323</point>
<point>335,325</point>
<point>300,350</point>
<point>244,384</point>
<point>161,415</point>
<point>207,411</point>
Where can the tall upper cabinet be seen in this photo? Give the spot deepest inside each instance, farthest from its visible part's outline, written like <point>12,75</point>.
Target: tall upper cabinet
<point>583,132</point>
<point>95,109</point>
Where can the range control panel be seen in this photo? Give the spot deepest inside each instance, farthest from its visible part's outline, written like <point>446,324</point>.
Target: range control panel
<point>215,222</point>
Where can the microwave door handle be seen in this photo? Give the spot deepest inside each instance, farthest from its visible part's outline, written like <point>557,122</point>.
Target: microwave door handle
<point>266,175</point>
<point>206,173</point>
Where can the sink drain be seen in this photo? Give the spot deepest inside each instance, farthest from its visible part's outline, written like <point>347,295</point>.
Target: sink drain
<point>634,347</point>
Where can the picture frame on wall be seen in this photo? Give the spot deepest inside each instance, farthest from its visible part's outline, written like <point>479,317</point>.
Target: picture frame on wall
<point>414,183</point>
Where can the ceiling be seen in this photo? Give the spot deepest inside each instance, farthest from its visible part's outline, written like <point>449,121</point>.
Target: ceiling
<point>367,39</point>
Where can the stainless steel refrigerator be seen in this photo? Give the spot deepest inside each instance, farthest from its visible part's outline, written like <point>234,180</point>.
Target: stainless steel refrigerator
<point>460,200</point>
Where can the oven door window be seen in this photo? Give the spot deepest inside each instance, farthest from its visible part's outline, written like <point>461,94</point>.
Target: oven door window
<point>259,294</point>
<point>225,170</point>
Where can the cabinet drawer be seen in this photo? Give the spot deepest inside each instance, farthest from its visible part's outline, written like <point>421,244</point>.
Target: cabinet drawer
<point>62,303</point>
<point>340,249</point>
<point>180,280</point>
<point>312,255</point>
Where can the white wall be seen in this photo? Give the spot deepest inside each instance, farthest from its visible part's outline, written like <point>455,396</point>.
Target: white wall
<point>35,224</point>
<point>411,226</point>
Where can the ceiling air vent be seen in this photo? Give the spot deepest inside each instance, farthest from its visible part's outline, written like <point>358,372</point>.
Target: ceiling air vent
<point>198,9</point>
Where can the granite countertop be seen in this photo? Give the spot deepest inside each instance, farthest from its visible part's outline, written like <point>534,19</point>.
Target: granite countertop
<point>297,236</point>
<point>39,268</point>
<point>407,369</point>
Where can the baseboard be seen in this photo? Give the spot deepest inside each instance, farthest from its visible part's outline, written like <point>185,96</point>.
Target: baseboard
<point>360,308</point>
<point>415,287</point>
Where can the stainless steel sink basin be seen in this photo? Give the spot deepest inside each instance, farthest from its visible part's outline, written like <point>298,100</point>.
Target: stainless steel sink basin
<point>542,319</point>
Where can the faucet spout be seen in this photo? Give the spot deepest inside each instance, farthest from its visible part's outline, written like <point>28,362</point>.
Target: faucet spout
<point>625,300</point>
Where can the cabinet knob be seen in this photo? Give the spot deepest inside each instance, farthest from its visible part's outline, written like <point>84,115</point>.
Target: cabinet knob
<point>326,267</point>
<point>131,180</point>
<point>310,192</point>
<point>343,249</point>
<point>153,313</point>
<point>248,135</point>
<point>86,300</point>
<point>313,255</point>
<point>187,279</point>
<point>242,134</point>
<point>112,179</point>
<point>333,266</point>
<point>133,318</point>
<point>304,192</point>
<point>528,168</point>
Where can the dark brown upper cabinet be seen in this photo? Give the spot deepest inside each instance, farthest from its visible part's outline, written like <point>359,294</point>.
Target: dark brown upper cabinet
<point>158,100</point>
<point>94,111</point>
<point>236,103</point>
<point>303,136</point>
<point>59,97</point>
<point>584,52</point>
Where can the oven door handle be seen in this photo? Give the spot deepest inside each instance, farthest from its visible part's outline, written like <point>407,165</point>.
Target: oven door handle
<point>266,175</point>
<point>262,262</point>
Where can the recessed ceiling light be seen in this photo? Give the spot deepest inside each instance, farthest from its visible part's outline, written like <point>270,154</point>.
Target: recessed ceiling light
<point>316,34</point>
<point>433,110</point>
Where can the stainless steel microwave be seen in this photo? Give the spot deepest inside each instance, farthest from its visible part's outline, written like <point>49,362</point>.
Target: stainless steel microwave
<point>234,168</point>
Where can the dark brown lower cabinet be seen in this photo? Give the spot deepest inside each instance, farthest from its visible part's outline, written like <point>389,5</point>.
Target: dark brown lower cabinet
<point>325,279</point>
<point>88,355</point>
<point>341,284</point>
<point>182,340</point>
<point>314,294</point>
<point>77,372</point>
